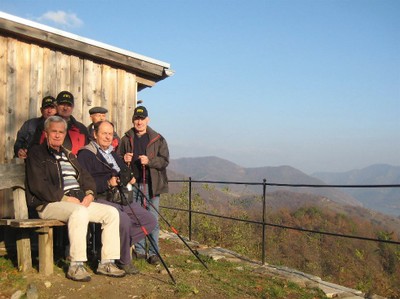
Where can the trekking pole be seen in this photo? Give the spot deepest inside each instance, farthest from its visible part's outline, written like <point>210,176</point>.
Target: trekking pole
<point>173,229</point>
<point>145,232</point>
<point>144,185</point>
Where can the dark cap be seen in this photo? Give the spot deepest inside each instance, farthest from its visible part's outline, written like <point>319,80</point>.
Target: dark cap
<point>140,112</point>
<point>65,97</point>
<point>95,110</point>
<point>48,101</point>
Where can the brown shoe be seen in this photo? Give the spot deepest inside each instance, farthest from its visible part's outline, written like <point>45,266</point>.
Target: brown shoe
<point>78,273</point>
<point>110,269</point>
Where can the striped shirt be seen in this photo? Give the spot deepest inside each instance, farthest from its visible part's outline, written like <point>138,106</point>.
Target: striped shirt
<point>68,172</point>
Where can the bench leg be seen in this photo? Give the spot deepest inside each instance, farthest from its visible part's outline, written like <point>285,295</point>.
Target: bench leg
<point>24,251</point>
<point>46,260</point>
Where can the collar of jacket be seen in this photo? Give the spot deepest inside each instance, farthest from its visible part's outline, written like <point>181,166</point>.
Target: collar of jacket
<point>153,135</point>
<point>92,147</point>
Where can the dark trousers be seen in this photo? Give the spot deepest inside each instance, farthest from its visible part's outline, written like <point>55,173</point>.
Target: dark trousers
<point>130,231</point>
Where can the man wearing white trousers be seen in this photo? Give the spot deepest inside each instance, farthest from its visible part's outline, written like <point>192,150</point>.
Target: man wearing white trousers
<point>59,188</point>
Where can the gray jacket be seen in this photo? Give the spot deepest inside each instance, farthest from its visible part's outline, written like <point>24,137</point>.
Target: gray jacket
<point>158,154</point>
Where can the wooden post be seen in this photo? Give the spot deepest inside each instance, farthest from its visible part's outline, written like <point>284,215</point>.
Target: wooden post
<point>24,253</point>
<point>45,250</point>
<point>20,207</point>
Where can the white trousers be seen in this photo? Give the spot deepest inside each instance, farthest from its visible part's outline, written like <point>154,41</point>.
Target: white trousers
<point>78,218</point>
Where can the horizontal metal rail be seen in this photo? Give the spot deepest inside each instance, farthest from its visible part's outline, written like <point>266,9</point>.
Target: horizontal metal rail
<point>263,223</point>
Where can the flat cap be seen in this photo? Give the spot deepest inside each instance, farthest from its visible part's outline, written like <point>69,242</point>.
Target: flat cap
<point>95,110</point>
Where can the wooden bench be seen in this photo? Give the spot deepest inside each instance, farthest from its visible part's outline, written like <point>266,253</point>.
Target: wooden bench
<point>12,177</point>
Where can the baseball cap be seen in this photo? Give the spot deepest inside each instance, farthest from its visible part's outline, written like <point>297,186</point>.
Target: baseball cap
<point>65,97</point>
<point>95,110</point>
<point>140,112</point>
<point>48,101</point>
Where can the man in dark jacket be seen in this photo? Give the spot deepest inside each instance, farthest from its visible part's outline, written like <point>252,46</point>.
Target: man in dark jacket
<point>146,151</point>
<point>77,133</point>
<point>105,166</point>
<point>27,131</point>
<point>59,188</point>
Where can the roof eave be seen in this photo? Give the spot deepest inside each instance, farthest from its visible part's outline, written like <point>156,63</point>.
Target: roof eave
<point>145,67</point>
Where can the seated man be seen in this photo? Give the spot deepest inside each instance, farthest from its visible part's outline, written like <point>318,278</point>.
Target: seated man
<point>99,159</point>
<point>59,188</point>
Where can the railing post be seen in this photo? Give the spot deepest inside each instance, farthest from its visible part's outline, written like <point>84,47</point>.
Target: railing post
<point>263,221</point>
<point>190,208</point>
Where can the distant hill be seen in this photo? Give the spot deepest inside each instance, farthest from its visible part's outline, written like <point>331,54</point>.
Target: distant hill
<point>386,200</point>
<point>351,262</point>
<point>227,202</point>
<point>217,169</point>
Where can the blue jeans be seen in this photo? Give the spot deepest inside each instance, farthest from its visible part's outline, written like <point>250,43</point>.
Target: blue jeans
<point>152,205</point>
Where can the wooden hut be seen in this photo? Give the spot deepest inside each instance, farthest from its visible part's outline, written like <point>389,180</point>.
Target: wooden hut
<point>37,60</point>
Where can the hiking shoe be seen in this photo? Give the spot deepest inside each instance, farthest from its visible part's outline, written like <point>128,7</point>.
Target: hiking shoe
<point>110,269</point>
<point>129,268</point>
<point>78,273</point>
<point>138,256</point>
<point>153,260</point>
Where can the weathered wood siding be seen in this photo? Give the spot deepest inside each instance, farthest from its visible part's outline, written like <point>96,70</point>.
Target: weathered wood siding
<point>28,72</point>
<point>37,60</point>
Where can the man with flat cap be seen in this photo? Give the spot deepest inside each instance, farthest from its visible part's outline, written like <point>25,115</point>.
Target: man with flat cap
<point>27,131</point>
<point>99,114</point>
<point>77,133</point>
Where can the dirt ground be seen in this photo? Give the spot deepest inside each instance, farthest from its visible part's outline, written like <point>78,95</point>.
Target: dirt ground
<point>222,279</point>
<point>151,282</point>
<point>191,277</point>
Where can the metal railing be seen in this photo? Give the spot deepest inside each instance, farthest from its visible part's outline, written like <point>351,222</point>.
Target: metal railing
<point>264,223</point>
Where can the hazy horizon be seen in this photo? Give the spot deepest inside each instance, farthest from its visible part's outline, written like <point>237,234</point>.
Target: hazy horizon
<point>308,173</point>
<point>310,84</point>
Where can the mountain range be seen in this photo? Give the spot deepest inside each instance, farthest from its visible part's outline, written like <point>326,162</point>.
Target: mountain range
<point>316,202</point>
<point>385,200</point>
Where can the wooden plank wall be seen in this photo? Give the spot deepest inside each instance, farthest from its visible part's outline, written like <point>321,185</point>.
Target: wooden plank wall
<point>3,93</point>
<point>28,72</point>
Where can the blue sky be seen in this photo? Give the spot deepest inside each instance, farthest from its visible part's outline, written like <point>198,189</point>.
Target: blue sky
<point>306,83</point>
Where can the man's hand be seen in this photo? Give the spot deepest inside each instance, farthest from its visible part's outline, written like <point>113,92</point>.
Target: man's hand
<point>132,181</point>
<point>22,153</point>
<point>114,181</point>
<point>144,160</point>
<point>87,200</point>
<point>128,157</point>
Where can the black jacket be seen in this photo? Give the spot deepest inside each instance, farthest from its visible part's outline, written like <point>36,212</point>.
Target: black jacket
<point>44,183</point>
<point>93,161</point>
